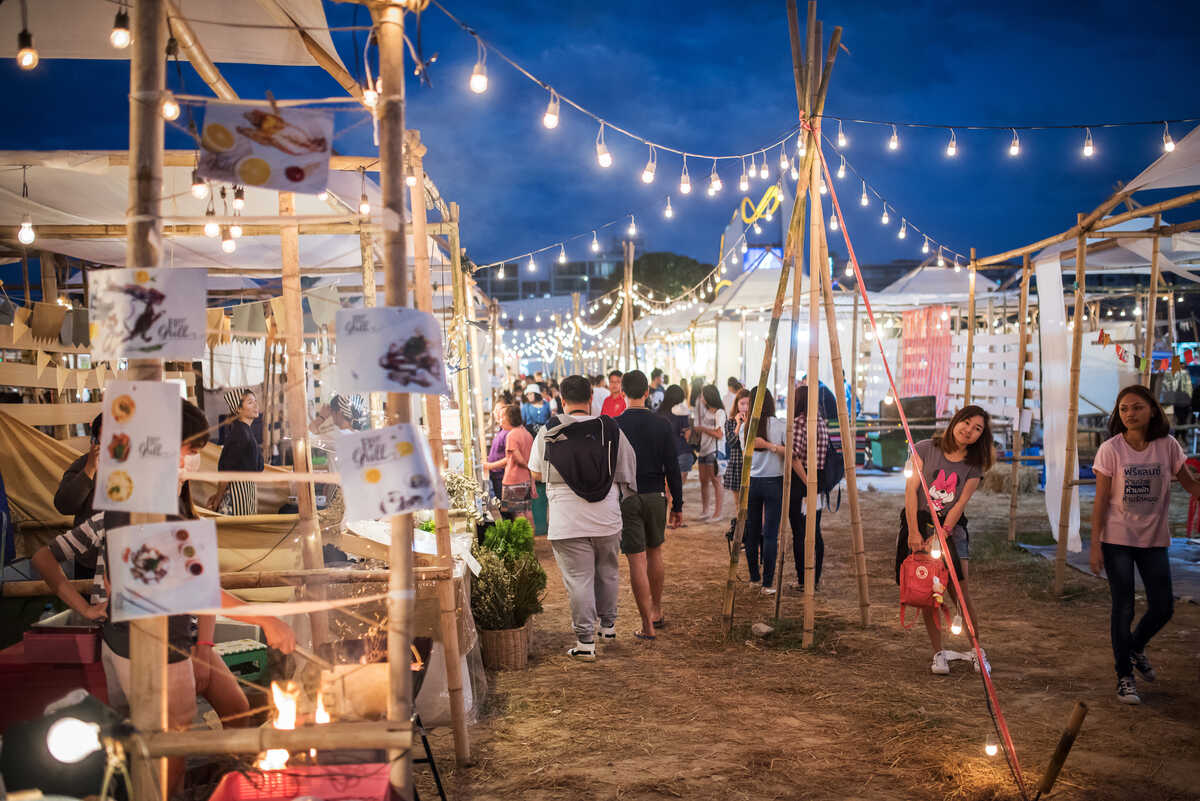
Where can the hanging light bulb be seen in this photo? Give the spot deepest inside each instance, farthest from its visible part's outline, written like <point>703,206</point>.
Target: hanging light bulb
<point>903,233</point>
<point>863,201</point>
<point>841,139</point>
<point>500,274</point>
<point>908,471</point>
<point>957,266</point>
<point>199,186</point>
<point>27,54</point>
<point>935,550</point>
<point>802,145</point>
<point>323,195</point>
<point>745,247</point>
<point>841,171</point>
<point>550,118</point>
<point>562,254</point>
<point>685,181</point>
<point>1168,142</point>
<point>925,247</point>
<point>894,141</point>
<point>763,171</point>
<point>744,182</point>
<point>170,106</point>
<point>784,162</point>
<point>532,264</point>
<point>885,219</point>
<point>211,229</point>
<point>595,243</point>
<point>235,230</point>
<point>941,261</point>
<point>888,399</point>
<point>227,243</point>
<point>25,234</point>
<point>990,747</point>
<point>668,212</point>
<point>364,205</point>
<point>648,172</point>
<point>370,97</point>
<point>714,180</point>
<point>479,78</point>
<point>1137,311</point>
<point>120,37</point>
<point>822,188</point>
<point>1014,147</point>
<point>757,229</point>
<point>603,157</point>
<point>520,317</point>
<point>632,229</point>
<point>952,146</point>
<point>1089,149</point>
<point>239,198</point>
<point>945,315</point>
<point>833,222</point>
<point>796,170</point>
<point>849,270</point>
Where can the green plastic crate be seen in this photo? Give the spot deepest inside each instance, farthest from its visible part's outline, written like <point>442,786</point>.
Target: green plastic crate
<point>247,659</point>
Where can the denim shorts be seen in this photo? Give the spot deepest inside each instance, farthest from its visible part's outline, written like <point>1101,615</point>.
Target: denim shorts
<point>686,461</point>
<point>710,458</point>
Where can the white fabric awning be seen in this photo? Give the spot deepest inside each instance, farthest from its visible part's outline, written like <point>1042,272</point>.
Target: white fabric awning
<point>1181,167</point>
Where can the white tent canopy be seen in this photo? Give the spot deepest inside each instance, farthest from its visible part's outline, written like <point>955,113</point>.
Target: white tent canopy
<point>1181,167</point>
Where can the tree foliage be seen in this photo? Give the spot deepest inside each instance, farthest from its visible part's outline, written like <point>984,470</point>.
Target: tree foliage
<point>669,273</point>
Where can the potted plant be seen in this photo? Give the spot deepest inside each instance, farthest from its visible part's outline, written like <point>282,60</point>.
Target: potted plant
<point>507,593</point>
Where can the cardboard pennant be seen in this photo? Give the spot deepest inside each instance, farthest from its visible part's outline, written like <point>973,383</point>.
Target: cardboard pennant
<point>139,454</point>
<point>20,324</point>
<point>1100,339</point>
<point>147,313</point>
<point>163,569</point>
<point>387,471</point>
<point>100,375</point>
<point>42,360</point>
<point>390,349</point>
<point>274,148</point>
<point>48,320</point>
<point>60,377</point>
<point>81,380</point>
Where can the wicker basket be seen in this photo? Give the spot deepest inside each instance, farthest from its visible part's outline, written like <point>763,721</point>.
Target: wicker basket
<point>506,649</point>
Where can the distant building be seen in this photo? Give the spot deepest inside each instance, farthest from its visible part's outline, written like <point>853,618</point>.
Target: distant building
<point>593,275</point>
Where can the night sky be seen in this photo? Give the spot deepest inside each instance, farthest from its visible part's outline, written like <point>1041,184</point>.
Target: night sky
<point>716,78</point>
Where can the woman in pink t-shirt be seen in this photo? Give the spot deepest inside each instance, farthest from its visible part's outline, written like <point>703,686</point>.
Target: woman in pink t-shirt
<point>1130,527</point>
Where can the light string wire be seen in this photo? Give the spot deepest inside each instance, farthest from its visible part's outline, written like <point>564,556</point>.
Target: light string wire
<point>985,673</point>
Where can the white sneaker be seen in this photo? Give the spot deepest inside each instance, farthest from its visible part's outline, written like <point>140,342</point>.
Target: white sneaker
<point>940,666</point>
<point>975,661</point>
<point>608,633</point>
<point>583,651</point>
<point>768,590</point>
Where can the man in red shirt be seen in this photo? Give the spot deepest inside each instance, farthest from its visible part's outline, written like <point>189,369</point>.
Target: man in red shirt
<point>614,404</point>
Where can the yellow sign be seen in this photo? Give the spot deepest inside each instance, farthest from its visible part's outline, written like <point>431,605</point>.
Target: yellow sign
<point>767,206</point>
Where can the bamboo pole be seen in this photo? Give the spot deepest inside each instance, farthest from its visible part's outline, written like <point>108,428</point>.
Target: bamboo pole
<point>854,363</point>
<point>627,309</point>
<point>388,18</point>
<point>970,354</point>
<point>794,232</point>
<point>143,248</point>
<point>423,295</point>
<point>366,249</point>
<point>1064,515</point>
<point>1022,358</point>
<point>370,735</point>
<point>181,29</point>
<point>308,527</point>
<point>1152,311</point>
<point>25,276</point>
<point>576,357</point>
<point>816,223</point>
<point>481,418</point>
<point>1063,749</point>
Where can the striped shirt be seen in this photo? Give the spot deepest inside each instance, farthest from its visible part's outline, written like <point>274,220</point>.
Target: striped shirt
<point>85,544</point>
<point>800,440</point>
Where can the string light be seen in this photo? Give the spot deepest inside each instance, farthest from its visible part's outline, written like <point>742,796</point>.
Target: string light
<point>903,233</point>
<point>833,222</point>
<point>822,188</point>
<point>370,96</point>
<point>952,146</point>
<point>235,230</point>
<point>685,181</point>
<point>170,106</point>
<point>941,261</point>
<point>802,145</point>
<point>323,195</point>
<point>532,264</point>
<point>239,198</point>
<point>120,36</point>
<point>1014,147</point>
<point>27,54</point>
<point>211,229</point>
<point>1168,142</point>
<point>990,747</point>
<point>562,254</point>
<point>957,266</point>
<point>849,270</point>
<point>885,219</point>
<point>841,137</point>
<point>632,229</point>
<point>894,141</point>
<point>784,162</point>
<point>364,205</point>
<point>744,182</point>
<point>714,180</point>
<point>935,549</point>
<point>764,172</point>
<point>603,157</point>
<point>1089,149</point>
<point>595,243</point>
<point>25,234</point>
<point>668,212</point>
<point>227,243</point>
<point>199,186</point>
<point>757,229</point>
<point>550,118</point>
<point>841,171</point>
<point>479,78</point>
<point>500,273</point>
<point>796,170</point>
<point>863,201</point>
<point>925,247</point>
<point>648,172</point>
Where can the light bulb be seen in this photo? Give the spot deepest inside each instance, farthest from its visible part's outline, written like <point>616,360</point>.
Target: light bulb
<point>648,172</point>
<point>903,233</point>
<point>952,147</point>
<point>802,145</point>
<point>833,222</point>
<point>521,317</point>
<point>364,205</point>
<point>823,189</point>
<point>1014,147</point>
<point>370,97</point>
<point>532,266</point>
<point>25,234</point>
<point>885,219</point>
<point>537,318</point>
<point>795,172</point>
<point>989,747</point>
<point>170,106</point>
<point>323,195</point>
<point>908,471</point>
<point>1089,149</point>
<point>72,740</point>
<point>479,79</point>
<point>550,118</point>
<point>925,246</point>
<point>744,182</point>
<point>768,216</point>
<point>685,183</point>
<point>745,247</point>
<point>941,261</point>
<point>945,315</point>
<point>235,230</point>
<point>1137,311</point>
<point>668,212</point>
<point>935,550</point>
<point>603,157</point>
<point>120,37</point>
<point>632,229</point>
<point>957,266</point>
<point>239,198</point>
<point>863,200</point>
<point>784,163</point>
<point>199,186</point>
<point>894,141</point>
<point>849,270</point>
<point>27,55</point>
<point>757,229</point>
<point>714,181</point>
<point>595,243</point>
<point>211,229</point>
<point>841,173</point>
<point>1168,142</point>
<point>888,399</point>
<point>410,180</point>
<point>763,171</point>
<point>841,140</point>
<point>562,255</point>
<point>227,243</point>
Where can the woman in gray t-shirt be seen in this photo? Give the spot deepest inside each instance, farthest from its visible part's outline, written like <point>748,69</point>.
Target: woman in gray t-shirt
<point>952,463</point>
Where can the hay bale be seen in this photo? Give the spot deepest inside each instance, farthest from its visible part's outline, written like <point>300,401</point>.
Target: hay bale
<point>999,480</point>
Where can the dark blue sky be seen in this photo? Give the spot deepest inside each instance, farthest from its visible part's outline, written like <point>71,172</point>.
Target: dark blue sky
<point>711,77</point>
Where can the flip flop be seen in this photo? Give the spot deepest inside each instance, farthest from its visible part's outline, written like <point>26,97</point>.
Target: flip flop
<point>661,623</point>
<point>641,636</point>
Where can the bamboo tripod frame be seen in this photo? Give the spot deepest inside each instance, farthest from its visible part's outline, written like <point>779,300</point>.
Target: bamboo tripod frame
<point>1022,359</point>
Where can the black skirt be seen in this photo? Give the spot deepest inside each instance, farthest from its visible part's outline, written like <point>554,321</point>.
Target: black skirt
<point>925,523</point>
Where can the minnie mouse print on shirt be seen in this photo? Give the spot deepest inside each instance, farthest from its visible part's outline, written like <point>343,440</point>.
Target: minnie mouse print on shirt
<point>943,490</point>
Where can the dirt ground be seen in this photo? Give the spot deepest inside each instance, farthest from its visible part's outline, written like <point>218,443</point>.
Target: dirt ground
<point>859,715</point>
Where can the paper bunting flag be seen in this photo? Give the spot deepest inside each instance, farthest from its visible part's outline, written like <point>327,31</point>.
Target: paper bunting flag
<point>60,377</point>
<point>1107,340</point>
<point>278,310</point>
<point>20,324</point>
<point>1100,339</point>
<point>81,380</point>
<point>41,359</point>
<point>48,320</point>
<point>100,371</point>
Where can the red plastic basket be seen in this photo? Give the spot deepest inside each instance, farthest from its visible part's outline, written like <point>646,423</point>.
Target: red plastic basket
<point>62,647</point>
<point>327,782</point>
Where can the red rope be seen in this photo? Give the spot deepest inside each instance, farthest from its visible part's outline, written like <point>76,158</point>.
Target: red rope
<point>993,703</point>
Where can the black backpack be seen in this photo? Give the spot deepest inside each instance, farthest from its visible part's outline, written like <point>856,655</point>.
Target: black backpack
<point>583,454</point>
<point>829,476</point>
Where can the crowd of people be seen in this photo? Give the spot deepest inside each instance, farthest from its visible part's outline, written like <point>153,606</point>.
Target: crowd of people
<point>614,453</point>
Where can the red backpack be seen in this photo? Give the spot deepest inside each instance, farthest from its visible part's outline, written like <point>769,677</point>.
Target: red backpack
<point>923,581</point>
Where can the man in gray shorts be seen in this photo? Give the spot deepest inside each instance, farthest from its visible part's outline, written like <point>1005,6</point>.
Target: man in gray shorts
<point>644,512</point>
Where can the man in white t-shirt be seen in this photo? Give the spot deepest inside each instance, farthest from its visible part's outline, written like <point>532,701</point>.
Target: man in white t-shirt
<point>585,535</point>
<point>600,394</point>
